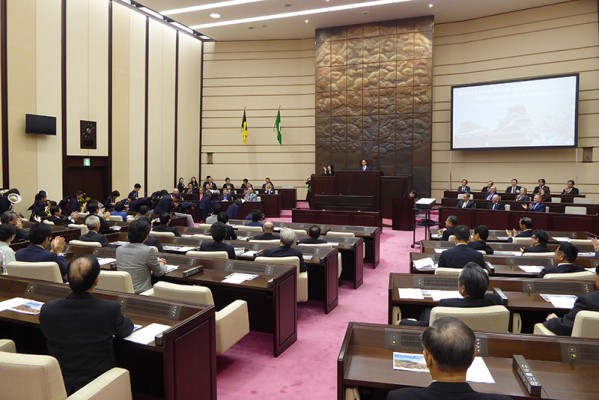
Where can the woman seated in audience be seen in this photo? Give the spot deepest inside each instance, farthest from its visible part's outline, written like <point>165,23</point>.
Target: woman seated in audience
<point>181,185</point>
<point>540,238</point>
<point>195,183</point>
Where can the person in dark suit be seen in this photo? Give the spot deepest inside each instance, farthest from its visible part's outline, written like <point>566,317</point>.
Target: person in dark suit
<point>267,232</point>
<point>450,224</point>
<point>514,187</point>
<point>73,203</point>
<point>57,219</point>
<point>570,189</point>
<point>209,183</point>
<point>466,201</point>
<point>167,203</point>
<point>525,225</point>
<point>93,209</point>
<point>205,206</point>
<point>523,195</point>
<point>537,204</point>
<point>449,349</point>
<point>224,218</point>
<point>563,326</point>
<point>38,208</point>
<point>485,189</point>
<point>464,188</point>
<point>596,246</point>
<point>364,166</point>
<point>313,236</point>
<point>540,238</point>
<point>165,219</point>
<point>80,330</point>
<point>541,186</point>
<point>461,254</point>
<point>111,200</point>
<point>257,218</point>
<point>479,239</point>
<point>285,249</point>
<point>496,203</point>
<point>228,184</point>
<point>233,210</point>
<point>10,217</point>
<point>93,224</point>
<point>134,194</point>
<point>218,231</point>
<point>565,255</point>
<point>269,189</point>
<point>40,236</point>
<point>266,182</point>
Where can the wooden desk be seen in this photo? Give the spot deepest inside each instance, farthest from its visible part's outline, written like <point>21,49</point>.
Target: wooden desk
<point>483,204</point>
<point>365,362</point>
<point>270,204</point>
<point>67,233</point>
<point>184,367</point>
<point>429,246</point>
<point>337,217</point>
<point>566,198</point>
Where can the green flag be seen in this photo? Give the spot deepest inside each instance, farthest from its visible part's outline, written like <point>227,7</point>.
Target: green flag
<point>278,127</point>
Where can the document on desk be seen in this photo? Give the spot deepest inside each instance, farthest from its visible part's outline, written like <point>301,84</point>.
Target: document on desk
<point>424,264</point>
<point>251,253</point>
<point>238,277</point>
<point>503,238</point>
<point>507,253</point>
<point>171,268</point>
<point>106,260</point>
<point>437,295</point>
<point>561,238</point>
<point>116,227</point>
<point>405,293</point>
<point>587,254</point>
<point>118,243</point>
<point>435,236</point>
<point>147,334</point>
<point>21,305</point>
<point>439,251</point>
<point>478,371</point>
<point>531,269</point>
<point>565,301</point>
<point>180,249</point>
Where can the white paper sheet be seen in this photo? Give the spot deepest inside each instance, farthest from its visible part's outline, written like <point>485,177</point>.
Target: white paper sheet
<point>410,293</point>
<point>444,294</point>
<point>238,277</point>
<point>503,238</point>
<point>424,264</point>
<point>507,253</point>
<point>171,268</point>
<point>116,227</point>
<point>119,243</point>
<point>250,253</point>
<point>435,236</point>
<point>587,254</point>
<point>307,256</point>
<point>565,301</point>
<point>593,270</point>
<point>531,269</point>
<point>106,260</point>
<point>561,238</point>
<point>439,251</point>
<point>479,372</point>
<point>146,335</point>
<point>181,249</point>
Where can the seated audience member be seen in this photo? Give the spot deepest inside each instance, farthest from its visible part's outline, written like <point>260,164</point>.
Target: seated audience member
<point>479,239</point>
<point>314,236</point>
<point>214,216</point>
<point>537,204</point>
<point>473,283</point>
<point>111,200</point>
<point>119,210</point>
<point>245,184</point>
<point>138,259</point>
<point>181,185</point>
<point>40,236</point>
<point>218,231</point>
<point>10,217</point>
<point>514,187</point>
<point>60,220</point>
<point>38,208</point>
<point>267,232</point>
<point>269,189</point>
<point>545,196</point>
<point>461,254</point>
<point>496,203</point>
<point>73,203</point>
<point>224,218</point>
<point>449,349</point>
<point>285,249</point>
<point>466,201</point>
<point>80,330</point>
<point>525,224</point>
<point>166,203</point>
<point>492,191</point>
<point>540,238</point>
<point>165,219</point>
<point>143,211</point>
<point>227,196</point>
<point>570,189</point>
<point>250,195</point>
<point>257,217</point>
<point>450,224</point>
<point>190,190</point>
<point>588,302</point>
<point>209,183</point>
<point>523,195</point>
<point>464,188</point>
<point>565,255</point>
<point>93,225</point>
<point>485,189</point>
<point>228,184</point>
<point>7,235</point>
<point>194,183</point>
<point>541,185</point>
<point>596,246</point>
<point>233,210</point>
<point>93,209</point>
<point>266,182</point>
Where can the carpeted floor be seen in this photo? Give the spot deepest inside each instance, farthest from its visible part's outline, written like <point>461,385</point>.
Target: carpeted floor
<point>307,370</point>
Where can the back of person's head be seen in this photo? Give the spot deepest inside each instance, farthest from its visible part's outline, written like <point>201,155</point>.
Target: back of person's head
<point>92,222</point>
<point>137,186</point>
<point>268,227</point>
<point>6,231</point>
<point>143,210</point>
<point>483,231</point>
<point>93,208</point>
<point>527,222</point>
<point>83,272</point>
<point>218,231</point>
<point>222,217</point>
<point>462,233</point>
<point>474,279</point>
<point>237,202</point>
<point>453,220</point>
<point>8,216</point>
<point>287,236</point>
<point>569,251</point>
<point>54,210</point>
<point>138,230</point>
<point>39,232</point>
<point>165,218</point>
<point>115,194</point>
<point>216,209</point>
<point>542,236</point>
<point>314,231</point>
<point>119,207</point>
<point>163,192</point>
<point>451,344</point>
<point>257,216</point>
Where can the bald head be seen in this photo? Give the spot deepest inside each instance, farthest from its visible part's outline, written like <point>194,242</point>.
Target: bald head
<point>83,272</point>
<point>268,227</point>
<point>450,343</point>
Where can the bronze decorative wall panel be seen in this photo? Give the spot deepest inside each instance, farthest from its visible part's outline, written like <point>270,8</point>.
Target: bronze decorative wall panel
<point>374,97</point>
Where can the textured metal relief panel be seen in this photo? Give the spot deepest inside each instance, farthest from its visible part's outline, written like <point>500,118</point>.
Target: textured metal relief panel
<point>374,97</point>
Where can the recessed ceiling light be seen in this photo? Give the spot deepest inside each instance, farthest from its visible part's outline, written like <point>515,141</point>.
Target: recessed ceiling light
<point>430,5</point>
<point>205,37</point>
<point>151,12</point>
<point>182,27</point>
<point>215,15</point>
<point>306,21</point>
<point>208,6</point>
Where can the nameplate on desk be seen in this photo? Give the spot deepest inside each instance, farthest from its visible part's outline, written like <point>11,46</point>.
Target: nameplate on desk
<point>530,381</point>
<point>192,271</point>
<point>144,306</point>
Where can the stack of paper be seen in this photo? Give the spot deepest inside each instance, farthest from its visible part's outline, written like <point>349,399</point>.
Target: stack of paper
<point>507,253</point>
<point>106,260</point>
<point>437,295</point>
<point>565,301</point>
<point>424,264</point>
<point>118,243</point>
<point>441,250</point>
<point>531,269</point>
<point>146,335</point>
<point>561,238</point>
<point>171,268</point>
<point>238,277</point>
<point>410,293</point>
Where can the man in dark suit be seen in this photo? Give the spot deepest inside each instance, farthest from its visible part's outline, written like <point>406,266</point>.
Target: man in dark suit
<point>93,225</point>
<point>257,218</point>
<point>40,236</point>
<point>218,230</point>
<point>224,218</point>
<point>486,189</point>
<point>267,232</point>
<point>285,249</point>
<point>59,220</point>
<point>541,185</point>
<point>537,204</point>
<point>466,201</point>
<point>233,210</point>
<point>165,218</point>
<point>514,187</point>
<point>570,189</point>
<point>313,236</point>
<point>563,326</point>
<point>479,239</point>
<point>205,206</point>
<point>464,188</point>
<point>525,224</point>
<point>496,203</point>
<point>540,238</point>
<point>266,182</point>
<point>80,330</point>
<point>523,195</point>
<point>166,204</point>
<point>449,349</point>
<point>450,224</point>
<point>10,217</point>
<point>364,166</point>
<point>565,255</point>
<point>93,209</point>
<point>461,254</point>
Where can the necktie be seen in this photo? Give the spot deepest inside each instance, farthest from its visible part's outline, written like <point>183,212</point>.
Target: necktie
<point>513,189</point>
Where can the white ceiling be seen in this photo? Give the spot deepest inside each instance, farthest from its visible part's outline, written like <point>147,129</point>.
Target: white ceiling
<point>297,28</point>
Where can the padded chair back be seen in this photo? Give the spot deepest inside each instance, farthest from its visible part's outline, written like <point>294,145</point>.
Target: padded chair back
<point>484,319</point>
<point>575,210</point>
<point>448,271</point>
<point>586,324</point>
<point>45,271</point>
<point>186,293</point>
<point>161,234</point>
<point>204,225</point>
<point>556,199</point>
<point>544,254</point>
<point>582,200</point>
<point>8,346</point>
<point>28,376</point>
<point>300,232</point>
<point>203,237</point>
<point>83,227</point>
<point>244,228</point>
<point>340,234</point>
<point>522,240</point>
<point>270,241</point>
<point>577,276</point>
<point>581,242</point>
<point>84,243</point>
<point>508,207</point>
<point>211,255</point>
<point>302,277</point>
<point>117,281</point>
<point>115,218</point>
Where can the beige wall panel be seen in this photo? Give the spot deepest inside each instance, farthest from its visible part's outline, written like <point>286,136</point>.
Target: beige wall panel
<point>214,49</point>
<point>262,81</point>
<point>260,91</point>
<point>259,55</point>
<point>161,107</point>
<point>260,68</point>
<point>253,102</point>
<point>261,122</point>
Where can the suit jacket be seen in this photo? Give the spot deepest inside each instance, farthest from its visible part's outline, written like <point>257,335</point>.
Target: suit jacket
<point>165,204</point>
<point>36,253</point>
<point>140,261</point>
<point>219,246</point>
<point>233,211</point>
<point>485,189</point>
<point>536,249</point>
<point>538,207</point>
<point>250,197</point>
<point>561,269</point>
<point>524,198</point>
<point>231,234</point>
<point>563,326</point>
<point>166,228</point>
<point>366,168</point>
<point>21,235</point>
<point>489,299</point>
<point>286,251</point>
<point>269,191</point>
<point>572,191</point>
<point>464,189</point>
<point>509,189</point>
<point>266,236</point>
<point>442,391</point>
<point>312,241</point>
<point>459,256</point>
<point>546,188</point>
<point>496,206</point>
<point>133,195</point>
<point>60,220</point>
<point>469,204</point>
<point>92,236</point>
<point>490,195</point>
<point>524,234</point>
<point>447,233</point>
<point>153,242</point>
<point>481,245</point>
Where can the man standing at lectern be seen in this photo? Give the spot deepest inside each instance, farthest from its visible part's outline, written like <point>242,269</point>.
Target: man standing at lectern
<point>365,166</point>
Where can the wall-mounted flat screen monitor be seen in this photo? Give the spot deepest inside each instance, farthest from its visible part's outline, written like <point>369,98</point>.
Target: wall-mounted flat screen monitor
<point>530,113</point>
<point>40,124</point>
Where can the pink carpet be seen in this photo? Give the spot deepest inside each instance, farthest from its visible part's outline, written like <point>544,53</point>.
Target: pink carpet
<point>307,370</point>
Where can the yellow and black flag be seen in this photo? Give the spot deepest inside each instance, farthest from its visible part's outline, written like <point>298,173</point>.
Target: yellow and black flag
<point>244,128</point>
